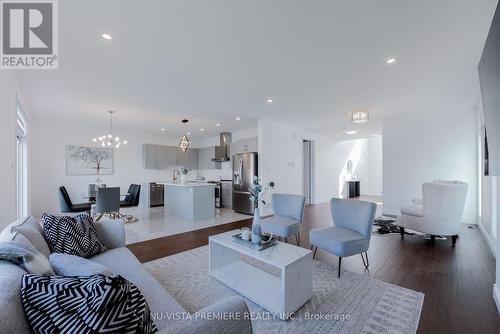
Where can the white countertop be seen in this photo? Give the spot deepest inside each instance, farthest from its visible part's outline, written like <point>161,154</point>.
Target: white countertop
<point>187,184</point>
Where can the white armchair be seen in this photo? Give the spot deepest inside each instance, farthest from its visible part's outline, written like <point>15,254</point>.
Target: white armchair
<point>439,212</point>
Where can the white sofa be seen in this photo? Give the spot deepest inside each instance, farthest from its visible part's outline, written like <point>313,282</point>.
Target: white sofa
<point>119,260</point>
<point>439,212</point>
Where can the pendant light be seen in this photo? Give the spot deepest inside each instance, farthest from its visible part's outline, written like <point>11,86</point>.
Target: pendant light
<point>184,143</point>
<point>110,140</point>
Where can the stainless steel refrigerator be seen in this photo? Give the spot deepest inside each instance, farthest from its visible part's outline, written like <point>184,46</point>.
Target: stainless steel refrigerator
<point>244,169</point>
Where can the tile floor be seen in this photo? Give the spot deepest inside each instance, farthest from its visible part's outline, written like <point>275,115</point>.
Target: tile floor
<point>156,223</point>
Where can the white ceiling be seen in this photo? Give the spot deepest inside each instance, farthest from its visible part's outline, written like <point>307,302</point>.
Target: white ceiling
<point>213,60</point>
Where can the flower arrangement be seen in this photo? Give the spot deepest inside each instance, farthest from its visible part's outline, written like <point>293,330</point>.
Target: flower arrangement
<point>258,189</point>
<point>184,171</point>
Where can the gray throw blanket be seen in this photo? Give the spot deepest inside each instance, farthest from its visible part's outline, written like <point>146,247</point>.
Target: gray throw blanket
<point>25,257</point>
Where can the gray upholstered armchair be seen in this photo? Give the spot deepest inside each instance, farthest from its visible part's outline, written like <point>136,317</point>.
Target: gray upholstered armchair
<point>350,235</point>
<point>288,211</point>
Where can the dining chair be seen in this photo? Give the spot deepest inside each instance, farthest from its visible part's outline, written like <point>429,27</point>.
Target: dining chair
<point>288,211</point>
<point>131,200</point>
<point>132,197</point>
<point>67,205</point>
<point>107,202</point>
<point>92,190</point>
<point>352,230</point>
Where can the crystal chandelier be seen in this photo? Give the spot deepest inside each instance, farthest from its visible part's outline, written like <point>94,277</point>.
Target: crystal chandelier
<point>109,140</point>
<point>360,115</point>
<point>184,143</point>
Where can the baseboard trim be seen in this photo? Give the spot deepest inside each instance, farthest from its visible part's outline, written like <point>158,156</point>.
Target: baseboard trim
<point>496,296</point>
<point>490,242</point>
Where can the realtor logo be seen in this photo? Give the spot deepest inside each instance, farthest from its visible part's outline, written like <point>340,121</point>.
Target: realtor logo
<point>29,34</point>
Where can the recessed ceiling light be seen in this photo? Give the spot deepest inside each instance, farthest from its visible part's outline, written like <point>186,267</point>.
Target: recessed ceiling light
<point>202,129</point>
<point>350,132</point>
<point>162,129</point>
<point>189,133</point>
<point>390,60</point>
<point>269,100</point>
<point>360,115</point>
<point>106,36</point>
<point>218,124</point>
<point>237,118</point>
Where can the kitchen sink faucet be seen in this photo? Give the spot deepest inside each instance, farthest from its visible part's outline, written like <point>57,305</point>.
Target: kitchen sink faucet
<point>175,175</point>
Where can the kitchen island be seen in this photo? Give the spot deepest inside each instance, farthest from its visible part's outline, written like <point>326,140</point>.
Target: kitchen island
<point>190,200</point>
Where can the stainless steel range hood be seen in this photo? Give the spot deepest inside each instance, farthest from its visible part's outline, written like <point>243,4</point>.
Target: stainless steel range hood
<point>222,152</point>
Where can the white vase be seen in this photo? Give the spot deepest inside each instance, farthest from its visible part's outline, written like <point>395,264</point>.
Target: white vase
<point>183,178</point>
<point>256,229</point>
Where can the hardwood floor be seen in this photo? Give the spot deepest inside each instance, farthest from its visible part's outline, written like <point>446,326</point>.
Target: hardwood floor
<point>157,248</point>
<point>457,281</point>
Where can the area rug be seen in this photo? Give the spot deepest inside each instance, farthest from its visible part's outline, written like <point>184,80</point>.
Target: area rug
<point>353,303</point>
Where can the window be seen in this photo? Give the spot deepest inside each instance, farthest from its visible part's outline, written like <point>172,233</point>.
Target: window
<point>21,165</point>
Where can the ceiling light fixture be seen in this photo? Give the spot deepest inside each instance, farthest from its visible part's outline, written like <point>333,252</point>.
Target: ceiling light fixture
<point>218,124</point>
<point>162,129</point>
<point>109,140</point>
<point>106,36</point>
<point>390,60</point>
<point>269,100</point>
<point>184,143</point>
<point>360,115</point>
<point>350,132</point>
<point>202,129</point>
<point>237,118</point>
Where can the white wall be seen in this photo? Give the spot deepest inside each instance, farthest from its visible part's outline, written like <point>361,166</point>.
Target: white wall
<point>280,160</point>
<point>8,90</point>
<point>47,147</point>
<point>420,149</point>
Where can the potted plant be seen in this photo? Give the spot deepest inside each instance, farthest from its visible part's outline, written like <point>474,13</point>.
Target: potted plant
<point>183,173</point>
<point>258,189</point>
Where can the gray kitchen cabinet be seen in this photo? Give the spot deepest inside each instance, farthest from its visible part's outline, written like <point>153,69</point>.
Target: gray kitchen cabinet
<point>193,158</point>
<point>149,156</point>
<point>163,156</point>
<point>244,146</point>
<point>205,156</point>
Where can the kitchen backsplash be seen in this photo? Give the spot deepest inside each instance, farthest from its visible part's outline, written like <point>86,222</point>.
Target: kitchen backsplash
<point>217,174</point>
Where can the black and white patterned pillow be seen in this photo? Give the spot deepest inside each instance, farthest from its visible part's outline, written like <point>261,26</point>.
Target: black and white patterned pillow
<point>72,235</point>
<point>91,304</point>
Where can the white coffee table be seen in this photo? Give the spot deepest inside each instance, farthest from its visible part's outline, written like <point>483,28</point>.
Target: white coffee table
<point>280,295</point>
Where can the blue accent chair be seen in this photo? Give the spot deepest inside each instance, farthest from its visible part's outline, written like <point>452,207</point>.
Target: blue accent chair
<point>350,235</point>
<point>288,211</point>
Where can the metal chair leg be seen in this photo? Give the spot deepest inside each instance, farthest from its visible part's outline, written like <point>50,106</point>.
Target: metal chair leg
<point>286,240</point>
<point>340,262</point>
<point>315,250</point>
<point>366,263</point>
<point>99,218</point>
<point>297,237</point>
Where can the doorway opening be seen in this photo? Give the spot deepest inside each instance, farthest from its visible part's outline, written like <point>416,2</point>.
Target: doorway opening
<point>308,170</point>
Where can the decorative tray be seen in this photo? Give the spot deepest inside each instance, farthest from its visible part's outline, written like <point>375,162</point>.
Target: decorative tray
<point>249,244</point>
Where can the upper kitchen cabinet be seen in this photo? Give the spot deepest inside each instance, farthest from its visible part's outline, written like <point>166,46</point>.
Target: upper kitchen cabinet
<point>163,156</point>
<point>244,146</point>
<point>149,156</point>
<point>193,158</point>
<point>205,156</point>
